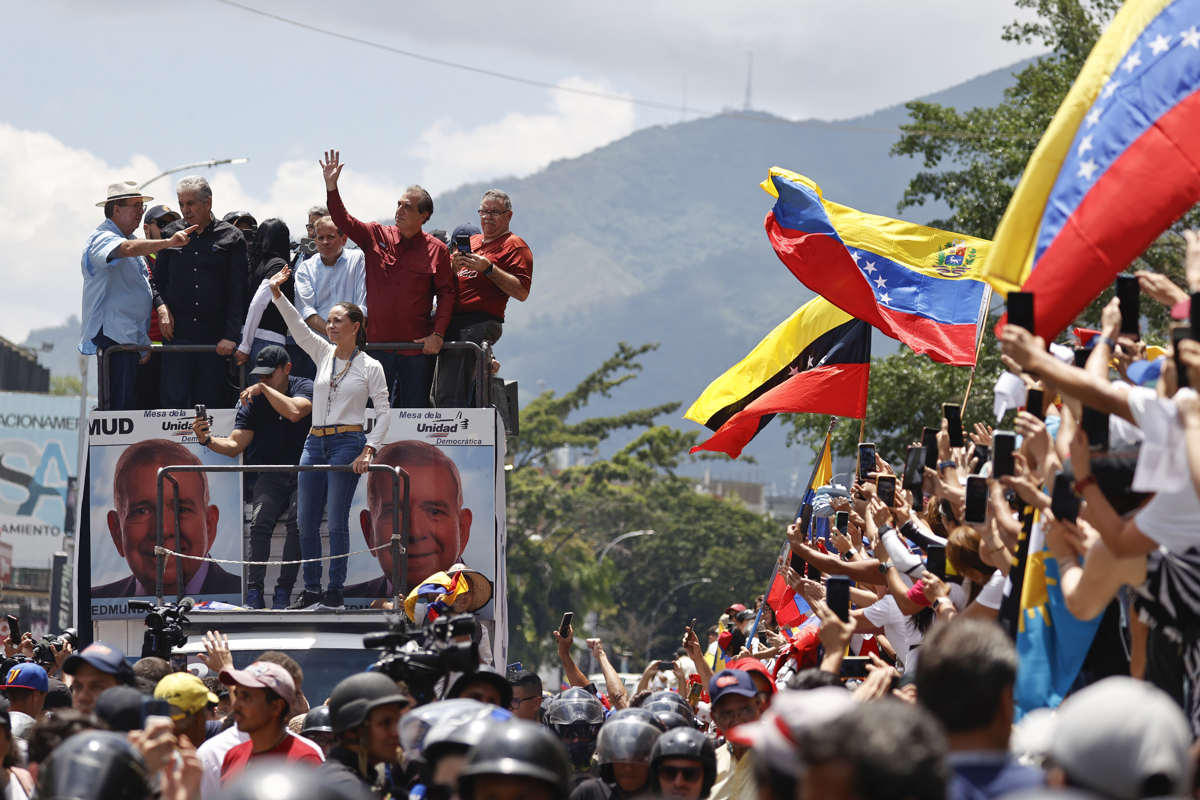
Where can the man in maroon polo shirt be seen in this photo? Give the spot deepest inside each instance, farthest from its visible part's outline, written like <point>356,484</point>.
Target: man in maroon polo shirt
<point>498,266</point>
<point>406,268</point>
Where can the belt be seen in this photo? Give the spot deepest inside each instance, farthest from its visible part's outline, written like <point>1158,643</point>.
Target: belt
<point>329,430</point>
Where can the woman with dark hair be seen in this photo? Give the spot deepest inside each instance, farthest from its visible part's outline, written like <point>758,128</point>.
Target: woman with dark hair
<point>264,326</point>
<point>346,378</point>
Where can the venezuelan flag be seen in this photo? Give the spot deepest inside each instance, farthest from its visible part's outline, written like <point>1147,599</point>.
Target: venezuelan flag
<point>916,284</point>
<point>1119,163</point>
<point>816,361</point>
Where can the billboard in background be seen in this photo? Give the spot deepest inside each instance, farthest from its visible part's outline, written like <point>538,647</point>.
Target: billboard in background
<point>126,449</point>
<point>39,454</point>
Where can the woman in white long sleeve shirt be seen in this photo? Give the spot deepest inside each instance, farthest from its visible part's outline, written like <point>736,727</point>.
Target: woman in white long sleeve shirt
<point>346,378</point>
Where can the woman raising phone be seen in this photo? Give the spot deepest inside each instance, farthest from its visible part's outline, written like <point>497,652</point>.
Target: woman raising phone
<point>346,378</point>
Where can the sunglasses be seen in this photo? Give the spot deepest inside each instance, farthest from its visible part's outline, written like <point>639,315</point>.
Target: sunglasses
<point>668,774</point>
<point>161,222</point>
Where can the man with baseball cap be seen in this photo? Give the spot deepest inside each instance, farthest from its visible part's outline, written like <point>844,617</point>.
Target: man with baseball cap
<point>189,699</point>
<point>97,667</point>
<point>273,419</point>
<point>735,701</point>
<point>26,686</point>
<point>117,299</point>
<point>263,696</point>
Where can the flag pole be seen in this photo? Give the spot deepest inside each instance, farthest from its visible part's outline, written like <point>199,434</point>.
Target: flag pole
<point>833,421</point>
<point>985,306</point>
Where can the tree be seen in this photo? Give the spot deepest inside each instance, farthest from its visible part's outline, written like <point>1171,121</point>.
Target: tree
<point>65,384</point>
<point>975,175</point>
<point>560,519</point>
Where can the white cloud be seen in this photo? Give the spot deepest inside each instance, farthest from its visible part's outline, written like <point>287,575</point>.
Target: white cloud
<point>521,144</point>
<point>47,210</point>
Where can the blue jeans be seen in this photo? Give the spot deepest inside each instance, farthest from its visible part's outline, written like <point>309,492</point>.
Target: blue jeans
<point>409,378</point>
<point>122,375</point>
<point>190,379</point>
<point>336,448</point>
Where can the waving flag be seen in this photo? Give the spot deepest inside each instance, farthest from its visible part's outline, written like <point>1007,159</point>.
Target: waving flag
<point>817,361</point>
<point>916,284</point>
<point>1119,163</point>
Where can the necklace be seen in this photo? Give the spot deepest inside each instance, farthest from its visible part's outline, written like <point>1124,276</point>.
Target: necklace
<point>335,380</point>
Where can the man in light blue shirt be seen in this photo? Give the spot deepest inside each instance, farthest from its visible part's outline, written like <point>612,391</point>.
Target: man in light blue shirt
<point>332,275</point>
<point>117,300</point>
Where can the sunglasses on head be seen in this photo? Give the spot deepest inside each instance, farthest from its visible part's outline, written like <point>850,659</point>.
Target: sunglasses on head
<point>668,774</point>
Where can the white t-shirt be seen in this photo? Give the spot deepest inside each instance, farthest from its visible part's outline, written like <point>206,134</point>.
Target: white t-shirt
<point>1171,518</point>
<point>898,628</point>
<point>212,756</point>
<point>992,592</point>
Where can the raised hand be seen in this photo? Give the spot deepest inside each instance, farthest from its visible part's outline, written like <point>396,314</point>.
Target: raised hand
<point>331,169</point>
<point>277,280</point>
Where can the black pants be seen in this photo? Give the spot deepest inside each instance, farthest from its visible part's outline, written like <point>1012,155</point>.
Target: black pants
<point>454,380</point>
<point>274,497</point>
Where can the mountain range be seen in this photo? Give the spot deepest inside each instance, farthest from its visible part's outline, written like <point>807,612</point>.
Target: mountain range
<point>658,237</point>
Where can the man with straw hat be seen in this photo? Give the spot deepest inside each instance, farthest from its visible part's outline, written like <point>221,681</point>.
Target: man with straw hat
<point>116,289</point>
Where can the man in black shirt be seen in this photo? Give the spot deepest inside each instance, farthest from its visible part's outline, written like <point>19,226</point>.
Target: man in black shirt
<point>273,419</point>
<point>203,286</point>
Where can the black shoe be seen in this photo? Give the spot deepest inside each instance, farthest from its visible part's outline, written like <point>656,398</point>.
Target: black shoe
<point>332,600</point>
<point>306,601</point>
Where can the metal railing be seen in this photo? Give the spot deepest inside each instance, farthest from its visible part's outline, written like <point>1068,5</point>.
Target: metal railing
<point>482,378</point>
<point>400,523</point>
<point>104,374</point>
<point>483,363</point>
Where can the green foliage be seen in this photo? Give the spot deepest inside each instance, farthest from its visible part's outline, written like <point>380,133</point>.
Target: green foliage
<point>559,521</point>
<point>65,384</point>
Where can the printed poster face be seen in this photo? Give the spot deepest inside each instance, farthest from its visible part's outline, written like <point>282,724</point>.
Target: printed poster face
<point>126,450</point>
<point>453,462</point>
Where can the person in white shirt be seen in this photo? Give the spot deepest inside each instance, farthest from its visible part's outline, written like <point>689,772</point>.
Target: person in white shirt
<point>330,275</point>
<point>346,378</point>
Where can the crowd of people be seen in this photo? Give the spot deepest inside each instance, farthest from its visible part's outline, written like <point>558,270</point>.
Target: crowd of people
<point>196,279</point>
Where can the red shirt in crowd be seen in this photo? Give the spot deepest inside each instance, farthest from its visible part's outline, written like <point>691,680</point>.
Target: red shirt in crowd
<point>478,293</point>
<point>403,276</point>
<point>292,748</point>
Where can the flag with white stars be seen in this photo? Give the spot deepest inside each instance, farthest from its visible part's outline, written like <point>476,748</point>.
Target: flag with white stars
<point>1118,164</point>
<point>917,284</point>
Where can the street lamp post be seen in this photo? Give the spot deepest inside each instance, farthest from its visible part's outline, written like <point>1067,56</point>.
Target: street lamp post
<point>620,538</point>
<point>654,613</point>
<point>197,165</point>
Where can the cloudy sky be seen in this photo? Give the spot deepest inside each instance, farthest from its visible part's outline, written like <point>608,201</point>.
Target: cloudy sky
<point>102,90</point>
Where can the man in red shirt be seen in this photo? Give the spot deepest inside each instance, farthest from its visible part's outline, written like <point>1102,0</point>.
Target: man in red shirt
<point>498,266</point>
<point>406,269</point>
<point>263,696</point>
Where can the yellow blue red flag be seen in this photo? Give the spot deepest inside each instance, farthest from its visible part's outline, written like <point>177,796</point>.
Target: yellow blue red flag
<point>917,284</point>
<point>1118,164</point>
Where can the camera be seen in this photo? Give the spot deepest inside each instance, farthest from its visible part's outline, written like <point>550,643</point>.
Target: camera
<point>422,656</point>
<point>46,648</point>
<point>166,626</point>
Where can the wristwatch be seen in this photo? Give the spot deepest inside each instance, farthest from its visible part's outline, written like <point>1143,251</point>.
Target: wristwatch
<point>1080,485</point>
<point>207,441</point>
<point>488,271</point>
<point>946,464</point>
<point>1105,340</point>
<point>849,554</point>
<point>884,566</point>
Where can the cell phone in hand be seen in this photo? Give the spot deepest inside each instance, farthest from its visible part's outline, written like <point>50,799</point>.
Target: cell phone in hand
<point>841,521</point>
<point>1095,425</point>
<point>308,246</point>
<point>1003,445</point>
<point>1082,355</point>
<point>14,629</point>
<point>887,490</point>
<point>806,512</point>
<point>1064,503</point>
<point>1020,310</point>
<point>565,628</point>
<point>694,628</point>
<point>1129,295</point>
<point>914,475</point>
<point>935,560</point>
<point>462,243</point>
<point>201,411</point>
<point>866,461</point>
<point>975,507</point>
<point>929,442</point>
<point>837,596</point>
<point>665,666</point>
<point>855,667</point>
<point>1035,404</point>
<point>953,414</point>
<point>982,455</point>
<point>1178,334</point>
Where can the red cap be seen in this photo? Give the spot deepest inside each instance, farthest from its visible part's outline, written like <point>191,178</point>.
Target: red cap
<point>753,665</point>
<point>736,608</point>
<point>724,638</point>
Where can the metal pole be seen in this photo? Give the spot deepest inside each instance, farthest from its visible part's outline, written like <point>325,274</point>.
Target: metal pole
<point>180,585</point>
<point>102,378</point>
<point>159,562</point>
<point>211,163</point>
<point>654,613</point>
<point>399,559</point>
<point>622,537</point>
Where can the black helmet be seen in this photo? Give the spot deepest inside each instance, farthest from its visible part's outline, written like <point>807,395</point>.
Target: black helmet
<point>575,716</point>
<point>661,705</point>
<point>517,749</point>
<point>685,743</point>
<point>671,719</point>
<point>628,736</point>
<point>667,696</point>
<point>458,733</point>
<point>416,724</point>
<point>94,765</point>
<point>483,675</point>
<point>281,780</point>
<point>316,721</point>
<point>352,700</point>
